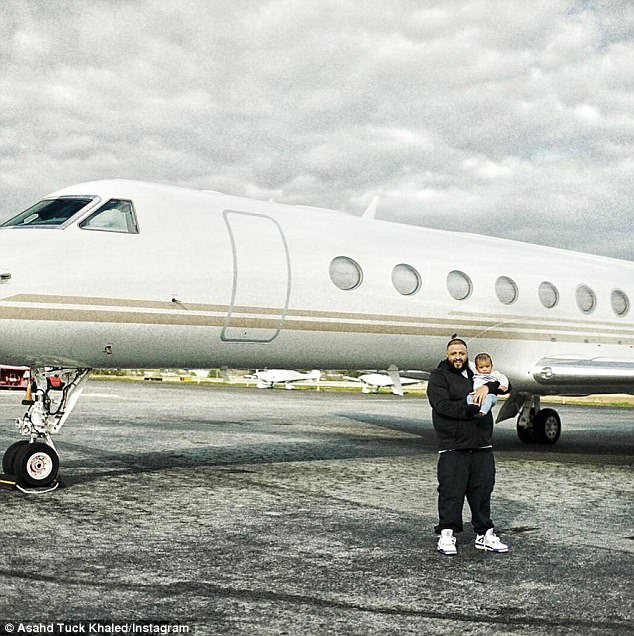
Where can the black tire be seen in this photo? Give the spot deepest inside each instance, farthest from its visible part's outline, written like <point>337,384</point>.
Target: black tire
<point>8,459</point>
<point>547,426</point>
<point>526,434</point>
<point>36,465</point>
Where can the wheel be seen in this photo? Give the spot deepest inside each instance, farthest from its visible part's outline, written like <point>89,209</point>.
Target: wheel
<point>36,464</point>
<point>526,433</point>
<point>8,459</point>
<point>547,426</point>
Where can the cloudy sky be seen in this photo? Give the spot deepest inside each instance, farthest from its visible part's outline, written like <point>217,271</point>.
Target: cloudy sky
<point>506,117</point>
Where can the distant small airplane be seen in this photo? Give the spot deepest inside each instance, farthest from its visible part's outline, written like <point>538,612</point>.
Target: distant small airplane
<point>268,378</point>
<point>394,379</point>
<point>126,274</point>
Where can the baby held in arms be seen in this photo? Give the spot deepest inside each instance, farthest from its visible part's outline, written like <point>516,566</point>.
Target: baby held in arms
<point>485,373</point>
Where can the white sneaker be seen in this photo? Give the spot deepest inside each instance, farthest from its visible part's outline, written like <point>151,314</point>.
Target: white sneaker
<point>447,542</point>
<point>490,542</point>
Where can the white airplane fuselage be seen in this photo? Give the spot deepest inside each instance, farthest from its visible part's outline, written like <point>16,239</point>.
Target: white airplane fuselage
<point>214,280</point>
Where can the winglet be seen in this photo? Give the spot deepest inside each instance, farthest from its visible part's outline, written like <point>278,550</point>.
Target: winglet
<point>370,211</point>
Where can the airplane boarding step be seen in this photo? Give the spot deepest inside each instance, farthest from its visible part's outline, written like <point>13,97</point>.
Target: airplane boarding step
<point>9,482</point>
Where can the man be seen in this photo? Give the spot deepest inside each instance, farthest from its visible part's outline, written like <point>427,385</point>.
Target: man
<point>465,462</point>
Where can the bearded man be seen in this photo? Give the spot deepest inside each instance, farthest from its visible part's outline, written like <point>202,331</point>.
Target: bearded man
<point>466,467</point>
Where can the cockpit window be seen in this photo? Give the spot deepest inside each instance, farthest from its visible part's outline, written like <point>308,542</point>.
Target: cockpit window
<point>49,213</point>
<point>116,215</point>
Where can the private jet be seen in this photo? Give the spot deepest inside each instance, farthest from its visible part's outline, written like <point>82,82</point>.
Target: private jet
<point>127,274</point>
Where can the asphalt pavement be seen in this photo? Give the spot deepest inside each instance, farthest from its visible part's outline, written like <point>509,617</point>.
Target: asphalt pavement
<point>219,510</point>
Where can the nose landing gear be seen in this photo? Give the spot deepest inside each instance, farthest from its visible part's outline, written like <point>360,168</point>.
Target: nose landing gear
<point>34,462</point>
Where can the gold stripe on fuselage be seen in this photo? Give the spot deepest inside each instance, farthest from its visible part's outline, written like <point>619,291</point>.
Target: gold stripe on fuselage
<point>112,310</point>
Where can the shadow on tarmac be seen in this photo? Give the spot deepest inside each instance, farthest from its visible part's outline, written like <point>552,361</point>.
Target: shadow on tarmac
<point>588,441</point>
<point>110,464</point>
<point>613,446</point>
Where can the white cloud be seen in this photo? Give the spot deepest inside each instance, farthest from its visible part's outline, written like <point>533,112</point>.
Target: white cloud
<point>512,118</point>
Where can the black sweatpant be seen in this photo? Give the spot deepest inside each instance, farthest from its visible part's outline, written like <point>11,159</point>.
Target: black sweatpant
<point>469,473</point>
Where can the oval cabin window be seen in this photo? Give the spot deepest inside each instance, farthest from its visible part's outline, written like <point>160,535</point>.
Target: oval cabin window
<point>620,302</point>
<point>548,294</point>
<point>459,285</point>
<point>345,273</point>
<point>586,300</point>
<point>506,290</point>
<point>406,279</point>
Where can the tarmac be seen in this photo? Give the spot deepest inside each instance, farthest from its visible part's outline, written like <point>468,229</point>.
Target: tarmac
<point>218,510</point>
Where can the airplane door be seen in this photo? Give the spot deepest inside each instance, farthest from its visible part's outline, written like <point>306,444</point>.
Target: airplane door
<point>261,278</point>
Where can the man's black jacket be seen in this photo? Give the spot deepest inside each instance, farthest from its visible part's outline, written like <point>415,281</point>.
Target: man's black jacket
<point>455,427</point>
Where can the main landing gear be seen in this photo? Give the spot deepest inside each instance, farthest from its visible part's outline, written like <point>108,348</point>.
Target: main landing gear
<point>537,425</point>
<point>50,398</point>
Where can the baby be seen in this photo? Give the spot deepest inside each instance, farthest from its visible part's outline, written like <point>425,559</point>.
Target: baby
<point>484,373</point>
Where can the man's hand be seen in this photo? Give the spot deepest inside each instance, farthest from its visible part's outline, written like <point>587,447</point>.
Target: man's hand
<point>480,394</point>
